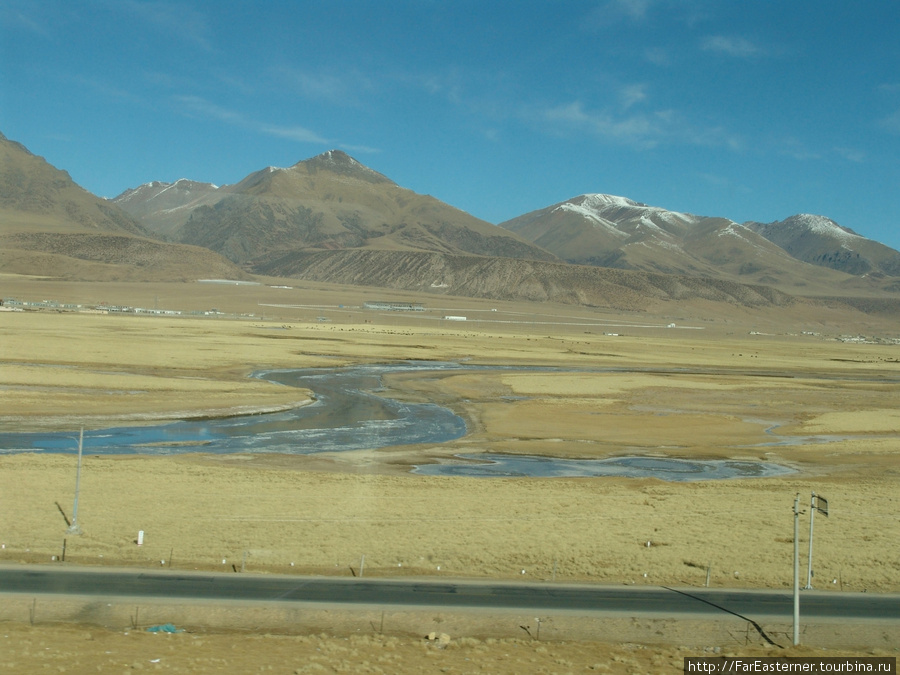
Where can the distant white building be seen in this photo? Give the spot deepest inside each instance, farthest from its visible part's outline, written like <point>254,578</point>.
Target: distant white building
<point>394,306</point>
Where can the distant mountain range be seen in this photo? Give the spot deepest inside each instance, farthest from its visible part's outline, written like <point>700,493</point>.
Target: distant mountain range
<point>328,202</point>
<point>821,241</point>
<point>611,231</point>
<point>51,227</point>
<point>332,219</point>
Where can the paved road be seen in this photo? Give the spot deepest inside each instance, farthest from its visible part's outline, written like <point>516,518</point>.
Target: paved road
<point>700,603</point>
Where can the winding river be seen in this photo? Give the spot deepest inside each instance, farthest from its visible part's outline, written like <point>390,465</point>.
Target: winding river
<point>350,414</point>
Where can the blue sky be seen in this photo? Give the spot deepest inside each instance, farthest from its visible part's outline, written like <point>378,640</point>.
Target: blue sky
<point>748,110</point>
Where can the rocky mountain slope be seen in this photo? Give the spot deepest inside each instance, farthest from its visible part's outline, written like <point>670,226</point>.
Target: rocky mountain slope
<point>166,206</point>
<point>510,279</point>
<point>821,241</point>
<point>36,196</point>
<point>52,227</point>
<point>610,231</point>
<point>327,202</point>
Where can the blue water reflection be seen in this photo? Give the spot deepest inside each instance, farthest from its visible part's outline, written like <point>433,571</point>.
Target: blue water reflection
<point>348,414</point>
<point>678,470</point>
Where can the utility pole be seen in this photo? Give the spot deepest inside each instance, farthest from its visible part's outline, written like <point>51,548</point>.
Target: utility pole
<point>797,569</point>
<point>74,528</point>
<point>820,504</point>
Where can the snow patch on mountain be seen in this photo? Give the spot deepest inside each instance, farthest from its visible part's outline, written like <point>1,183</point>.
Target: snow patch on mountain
<point>674,217</point>
<point>340,162</point>
<point>599,201</point>
<point>149,191</point>
<point>669,245</point>
<point>591,215</point>
<point>824,226</point>
<point>602,202</point>
<point>736,230</point>
<point>653,227</point>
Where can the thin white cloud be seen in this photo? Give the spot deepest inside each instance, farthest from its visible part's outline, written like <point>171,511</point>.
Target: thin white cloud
<point>199,107</point>
<point>448,84</point>
<point>714,179</point>
<point>639,129</point>
<point>299,134</point>
<point>792,147</point>
<point>633,9</point>
<point>23,15</point>
<point>632,94</point>
<point>719,181</point>
<point>104,88</point>
<point>851,154</point>
<point>657,56</point>
<point>364,149</point>
<point>176,19</point>
<point>616,11</point>
<point>891,123</point>
<point>341,88</point>
<point>736,46</point>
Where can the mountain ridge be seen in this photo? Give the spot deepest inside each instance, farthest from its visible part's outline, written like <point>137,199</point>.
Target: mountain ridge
<point>329,201</point>
<point>53,227</point>
<point>821,241</point>
<point>332,219</point>
<point>611,231</point>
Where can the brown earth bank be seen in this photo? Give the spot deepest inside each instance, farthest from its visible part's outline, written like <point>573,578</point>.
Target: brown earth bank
<point>83,649</point>
<point>709,386</point>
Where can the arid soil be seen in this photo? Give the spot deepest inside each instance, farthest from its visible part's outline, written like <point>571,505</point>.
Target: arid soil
<point>88,649</point>
<point>705,388</point>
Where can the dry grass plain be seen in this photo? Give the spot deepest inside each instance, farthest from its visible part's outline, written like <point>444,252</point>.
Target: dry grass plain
<point>707,388</point>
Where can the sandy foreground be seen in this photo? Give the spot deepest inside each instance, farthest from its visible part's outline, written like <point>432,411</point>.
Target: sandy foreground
<point>828,409</point>
<point>88,649</point>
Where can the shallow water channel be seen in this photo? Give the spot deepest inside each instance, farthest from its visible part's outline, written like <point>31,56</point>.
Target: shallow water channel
<point>350,414</point>
<point>665,468</point>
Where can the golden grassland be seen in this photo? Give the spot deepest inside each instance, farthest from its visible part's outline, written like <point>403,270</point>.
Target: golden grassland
<point>706,389</point>
<point>833,406</point>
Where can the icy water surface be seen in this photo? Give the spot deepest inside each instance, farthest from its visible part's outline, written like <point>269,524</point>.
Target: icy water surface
<point>678,470</point>
<point>348,415</point>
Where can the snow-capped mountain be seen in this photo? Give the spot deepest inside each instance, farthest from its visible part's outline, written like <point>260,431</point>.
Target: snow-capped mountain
<point>821,241</point>
<point>610,231</point>
<point>163,207</point>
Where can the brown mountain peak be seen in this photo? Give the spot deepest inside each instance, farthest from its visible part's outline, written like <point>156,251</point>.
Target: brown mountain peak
<point>339,162</point>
